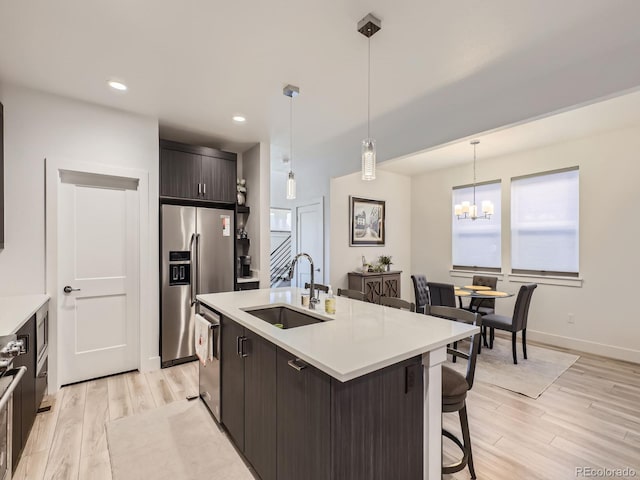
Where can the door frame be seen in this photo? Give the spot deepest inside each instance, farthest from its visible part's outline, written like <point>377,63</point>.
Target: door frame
<point>52,184</point>
<point>295,242</point>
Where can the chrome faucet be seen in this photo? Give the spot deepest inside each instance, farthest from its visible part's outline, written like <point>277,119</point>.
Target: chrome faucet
<point>312,299</point>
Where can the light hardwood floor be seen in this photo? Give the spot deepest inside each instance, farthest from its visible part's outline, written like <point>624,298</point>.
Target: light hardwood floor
<point>590,417</point>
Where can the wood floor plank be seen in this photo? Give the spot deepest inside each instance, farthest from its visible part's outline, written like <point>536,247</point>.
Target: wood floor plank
<point>141,397</point>
<point>64,457</point>
<point>180,384</point>
<point>119,398</point>
<point>160,389</point>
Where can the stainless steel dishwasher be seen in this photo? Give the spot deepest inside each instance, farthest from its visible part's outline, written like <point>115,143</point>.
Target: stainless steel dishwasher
<point>209,374</point>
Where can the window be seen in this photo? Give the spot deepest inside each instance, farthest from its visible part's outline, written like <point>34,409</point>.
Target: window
<point>544,223</point>
<point>476,243</point>
<point>280,220</point>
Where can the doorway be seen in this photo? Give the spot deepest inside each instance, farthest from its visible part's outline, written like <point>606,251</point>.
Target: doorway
<point>310,239</point>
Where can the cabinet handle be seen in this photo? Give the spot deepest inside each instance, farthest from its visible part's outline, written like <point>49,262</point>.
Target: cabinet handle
<point>199,189</point>
<point>238,339</point>
<point>243,342</point>
<point>204,188</point>
<point>298,364</point>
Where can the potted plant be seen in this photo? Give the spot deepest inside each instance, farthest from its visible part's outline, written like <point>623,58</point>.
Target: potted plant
<point>385,261</point>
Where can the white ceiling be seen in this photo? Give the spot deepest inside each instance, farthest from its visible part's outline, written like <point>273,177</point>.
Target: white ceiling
<point>441,70</point>
<point>612,114</point>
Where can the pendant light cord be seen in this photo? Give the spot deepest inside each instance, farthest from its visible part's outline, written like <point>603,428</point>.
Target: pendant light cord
<point>291,135</point>
<point>369,93</point>
<point>474,173</point>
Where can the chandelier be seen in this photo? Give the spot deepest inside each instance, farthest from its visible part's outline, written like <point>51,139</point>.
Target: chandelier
<point>467,210</point>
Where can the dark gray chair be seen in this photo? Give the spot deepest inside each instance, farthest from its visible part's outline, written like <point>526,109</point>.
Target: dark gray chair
<point>441,294</point>
<point>455,386</point>
<point>353,294</point>
<point>515,323</point>
<point>421,291</point>
<point>484,306</point>
<point>397,303</point>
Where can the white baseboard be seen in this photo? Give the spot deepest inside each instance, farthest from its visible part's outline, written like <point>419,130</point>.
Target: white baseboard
<point>611,351</point>
<point>150,364</point>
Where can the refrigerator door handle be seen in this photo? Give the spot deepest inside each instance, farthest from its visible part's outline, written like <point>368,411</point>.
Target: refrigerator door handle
<point>196,290</point>
<point>192,297</point>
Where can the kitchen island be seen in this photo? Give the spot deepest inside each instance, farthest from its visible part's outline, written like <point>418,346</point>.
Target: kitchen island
<point>355,395</point>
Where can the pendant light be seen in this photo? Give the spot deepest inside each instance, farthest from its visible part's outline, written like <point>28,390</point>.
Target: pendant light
<point>368,26</point>
<point>468,211</point>
<point>291,91</point>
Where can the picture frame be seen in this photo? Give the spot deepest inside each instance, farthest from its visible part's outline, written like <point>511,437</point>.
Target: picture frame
<point>367,222</point>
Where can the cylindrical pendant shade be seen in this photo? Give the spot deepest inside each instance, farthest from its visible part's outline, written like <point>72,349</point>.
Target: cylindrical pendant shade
<point>291,187</point>
<point>368,159</point>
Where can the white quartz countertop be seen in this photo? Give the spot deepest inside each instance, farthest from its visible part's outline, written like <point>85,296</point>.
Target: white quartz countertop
<point>16,310</point>
<point>359,338</point>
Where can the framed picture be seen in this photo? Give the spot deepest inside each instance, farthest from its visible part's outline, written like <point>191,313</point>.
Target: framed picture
<point>367,222</point>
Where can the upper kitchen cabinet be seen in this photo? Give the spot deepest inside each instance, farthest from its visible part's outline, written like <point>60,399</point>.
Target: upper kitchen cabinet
<point>197,173</point>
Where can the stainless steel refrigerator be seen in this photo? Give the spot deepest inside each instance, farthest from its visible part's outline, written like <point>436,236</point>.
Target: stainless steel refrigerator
<point>197,253</point>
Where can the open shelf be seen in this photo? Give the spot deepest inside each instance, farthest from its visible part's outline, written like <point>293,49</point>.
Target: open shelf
<point>242,209</point>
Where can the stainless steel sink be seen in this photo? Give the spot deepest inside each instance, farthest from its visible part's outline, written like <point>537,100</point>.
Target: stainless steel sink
<point>282,316</point>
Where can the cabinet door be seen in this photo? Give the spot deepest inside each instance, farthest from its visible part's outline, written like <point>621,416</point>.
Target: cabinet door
<point>24,401</point>
<point>179,174</point>
<point>372,289</point>
<point>304,400</point>
<point>391,285</point>
<point>376,424</point>
<point>232,381</point>
<point>219,179</point>
<point>260,405</point>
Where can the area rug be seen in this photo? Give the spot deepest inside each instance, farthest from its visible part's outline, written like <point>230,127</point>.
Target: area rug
<point>529,377</point>
<point>177,442</point>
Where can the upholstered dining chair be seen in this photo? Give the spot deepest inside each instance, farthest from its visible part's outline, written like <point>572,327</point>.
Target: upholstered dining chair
<point>441,294</point>
<point>514,324</point>
<point>455,386</point>
<point>353,294</point>
<point>487,305</point>
<point>397,303</point>
<point>421,291</point>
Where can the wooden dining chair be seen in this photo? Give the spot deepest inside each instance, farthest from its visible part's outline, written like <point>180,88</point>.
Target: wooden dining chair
<point>353,294</point>
<point>397,303</point>
<point>514,324</point>
<point>455,386</point>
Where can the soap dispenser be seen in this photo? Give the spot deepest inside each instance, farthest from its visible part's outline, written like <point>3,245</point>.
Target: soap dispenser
<point>330,302</point>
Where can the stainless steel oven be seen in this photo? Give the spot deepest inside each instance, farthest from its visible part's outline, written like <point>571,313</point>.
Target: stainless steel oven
<point>10,347</point>
<point>209,375</point>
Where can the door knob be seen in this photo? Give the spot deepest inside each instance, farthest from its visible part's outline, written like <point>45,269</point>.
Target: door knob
<point>69,289</point>
<point>317,269</point>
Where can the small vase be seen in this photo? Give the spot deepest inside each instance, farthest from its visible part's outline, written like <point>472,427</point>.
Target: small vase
<point>388,269</point>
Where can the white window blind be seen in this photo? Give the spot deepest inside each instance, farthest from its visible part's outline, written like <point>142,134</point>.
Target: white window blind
<point>476,243</point>
<point>545,223</point>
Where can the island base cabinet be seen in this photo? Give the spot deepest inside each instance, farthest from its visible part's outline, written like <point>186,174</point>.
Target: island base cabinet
<point>260,404</point>
<point>303,414</point>
<point>232,381</point>
<point>376,424</point>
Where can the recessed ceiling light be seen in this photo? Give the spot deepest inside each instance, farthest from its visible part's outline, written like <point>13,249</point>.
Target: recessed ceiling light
<point>117,85</point>
<point>239,119</point>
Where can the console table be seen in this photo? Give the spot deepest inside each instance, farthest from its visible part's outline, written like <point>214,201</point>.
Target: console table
<point>376,284</point>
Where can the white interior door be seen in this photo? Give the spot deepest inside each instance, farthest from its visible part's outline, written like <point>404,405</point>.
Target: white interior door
<point>98,257</point>
<point>310,239</point>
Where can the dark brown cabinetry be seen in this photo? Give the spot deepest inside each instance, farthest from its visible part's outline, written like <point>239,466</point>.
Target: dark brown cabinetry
<point>376,284</point>
<point>24,396</point>
<point>376,424</point>
<point>197,173</point>
<point>303,414</point>
<point>293,421</point>
<point>249,395</point>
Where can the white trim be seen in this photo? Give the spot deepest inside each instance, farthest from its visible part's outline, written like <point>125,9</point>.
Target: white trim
<point>147,359</point>
<point>470,274</point>
<point>545,280</point>
<point>595,348</point>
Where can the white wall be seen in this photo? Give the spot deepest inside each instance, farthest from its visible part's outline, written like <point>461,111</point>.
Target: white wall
<point>40,125</point>
<point>256,166</point>
<point>395,189</point>
<point>606,321</point>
